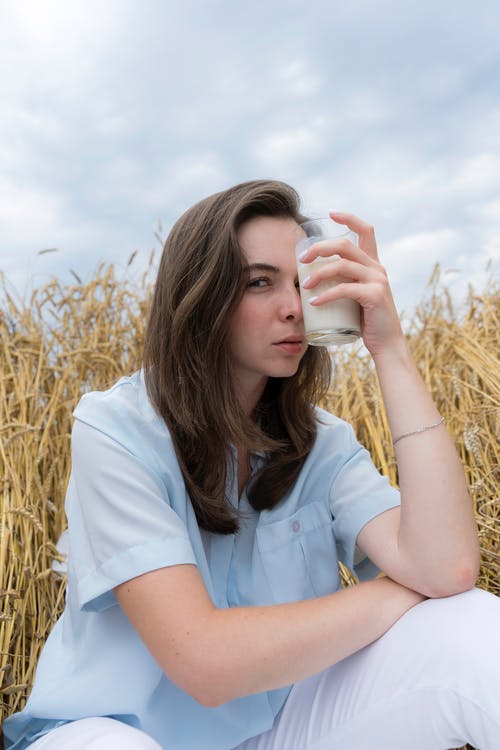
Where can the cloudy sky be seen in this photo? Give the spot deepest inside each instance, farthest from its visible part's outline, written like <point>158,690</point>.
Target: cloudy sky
<point>116,115</point>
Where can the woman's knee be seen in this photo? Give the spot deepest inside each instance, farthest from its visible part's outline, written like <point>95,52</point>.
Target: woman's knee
<point>96,733</point>
<point>116,734</point>
<point>453,637</point>
<point>466,620</point>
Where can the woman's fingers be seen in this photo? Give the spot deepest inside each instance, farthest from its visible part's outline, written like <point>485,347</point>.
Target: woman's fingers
<point>371,295</point>
<point>365,232</point>
<point>342,248</point>
<point>341,270</point>
<point>367,284</point>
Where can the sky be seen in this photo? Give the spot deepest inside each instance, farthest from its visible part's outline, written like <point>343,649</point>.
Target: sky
<point>117,115</point>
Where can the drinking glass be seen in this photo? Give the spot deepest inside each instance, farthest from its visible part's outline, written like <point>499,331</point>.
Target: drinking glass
<point>336,322</point>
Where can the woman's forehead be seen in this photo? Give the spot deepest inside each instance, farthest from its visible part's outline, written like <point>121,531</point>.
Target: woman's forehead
<point>265,238</point>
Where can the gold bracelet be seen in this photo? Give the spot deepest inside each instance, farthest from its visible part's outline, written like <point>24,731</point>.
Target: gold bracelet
<point>419,429</point>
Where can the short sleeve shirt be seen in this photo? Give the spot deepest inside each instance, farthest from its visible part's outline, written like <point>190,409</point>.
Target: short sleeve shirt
<point>129,513</point>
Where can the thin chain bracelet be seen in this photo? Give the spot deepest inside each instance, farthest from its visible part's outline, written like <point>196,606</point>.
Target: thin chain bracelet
<point>420,429</point>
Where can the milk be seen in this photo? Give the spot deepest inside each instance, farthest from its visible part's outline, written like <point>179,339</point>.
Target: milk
<point>336,322</point>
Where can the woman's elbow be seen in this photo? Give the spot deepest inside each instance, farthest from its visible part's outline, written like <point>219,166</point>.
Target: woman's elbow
<point>212,695</point>
<point>212,700</point>
<point>204,682</point>
<point>205,698</point>
<point>206,694</point>
<point>461,579</point>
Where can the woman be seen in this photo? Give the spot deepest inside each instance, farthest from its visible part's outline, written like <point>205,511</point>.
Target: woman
<point>209,503</point>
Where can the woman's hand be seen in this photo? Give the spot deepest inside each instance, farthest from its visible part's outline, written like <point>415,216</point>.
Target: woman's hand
<point>364,279</point>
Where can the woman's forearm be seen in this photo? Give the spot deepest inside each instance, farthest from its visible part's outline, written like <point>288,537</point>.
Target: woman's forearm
<point>217,655</point>
<point>437,532</point>
<point>253,649</point>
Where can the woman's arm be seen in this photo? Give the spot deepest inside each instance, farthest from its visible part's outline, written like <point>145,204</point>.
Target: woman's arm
<point>431,542</point>
<point>435,548</point>
<point>217,655</point>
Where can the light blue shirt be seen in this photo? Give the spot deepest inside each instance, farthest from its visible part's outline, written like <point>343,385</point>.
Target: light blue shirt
<point>129,513</point>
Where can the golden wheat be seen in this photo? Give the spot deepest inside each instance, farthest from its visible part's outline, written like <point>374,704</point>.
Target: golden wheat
<point>69,339</point>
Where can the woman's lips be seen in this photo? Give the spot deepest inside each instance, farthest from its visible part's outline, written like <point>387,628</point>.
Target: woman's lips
<point>292,345</point>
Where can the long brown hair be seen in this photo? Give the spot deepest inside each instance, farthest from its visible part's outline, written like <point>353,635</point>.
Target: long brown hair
<point>188,367</point>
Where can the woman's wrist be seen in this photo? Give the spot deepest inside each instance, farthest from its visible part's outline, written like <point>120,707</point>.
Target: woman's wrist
<point>394,355</point>
<point>401,595</point>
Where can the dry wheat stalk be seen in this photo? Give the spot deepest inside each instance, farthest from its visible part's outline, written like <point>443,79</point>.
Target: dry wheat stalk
<point>74,338</point>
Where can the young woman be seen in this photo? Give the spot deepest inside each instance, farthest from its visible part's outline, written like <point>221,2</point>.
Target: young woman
<point>210,501</point>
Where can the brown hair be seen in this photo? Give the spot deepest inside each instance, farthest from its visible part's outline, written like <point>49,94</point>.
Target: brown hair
<point>188,367</point>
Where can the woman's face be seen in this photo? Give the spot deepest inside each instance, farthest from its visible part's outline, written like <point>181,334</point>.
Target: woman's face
<point>267,331</point>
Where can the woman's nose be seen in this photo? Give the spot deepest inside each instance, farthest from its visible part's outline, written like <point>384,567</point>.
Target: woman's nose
<point>292,305</point>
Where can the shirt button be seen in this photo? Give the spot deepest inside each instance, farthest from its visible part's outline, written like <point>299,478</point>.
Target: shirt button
<point>296,526</point>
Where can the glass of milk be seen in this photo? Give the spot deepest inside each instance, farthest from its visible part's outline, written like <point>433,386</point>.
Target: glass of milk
<point>336,322</point>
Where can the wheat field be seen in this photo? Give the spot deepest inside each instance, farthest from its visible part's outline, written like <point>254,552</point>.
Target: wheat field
<point>71,338</point>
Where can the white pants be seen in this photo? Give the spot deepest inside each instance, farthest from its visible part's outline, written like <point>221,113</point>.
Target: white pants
<point>432,682</point>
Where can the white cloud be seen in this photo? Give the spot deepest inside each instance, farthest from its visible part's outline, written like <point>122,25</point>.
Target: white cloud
<point>442,81</point>
<point>410,260</point>
<point>116,114</point>
<point>412,255</point>
<point>489,211</point>
<point>121,178</point>
<point>485,130</point>
<point>56,28</point>
<point>286,149</point>
<point>28,217</point>
<point>112,124</point>
<point>54,48</point>
<point>187,179</point>
<point>361,109</point>
<point>492,243</point>
<point>479,172</point>
<point>298,78</point>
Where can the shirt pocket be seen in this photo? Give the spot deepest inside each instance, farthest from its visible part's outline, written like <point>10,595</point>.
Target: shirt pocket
<point>299,554</point>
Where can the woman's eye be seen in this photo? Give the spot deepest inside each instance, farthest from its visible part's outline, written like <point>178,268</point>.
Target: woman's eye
<point>258,283</point>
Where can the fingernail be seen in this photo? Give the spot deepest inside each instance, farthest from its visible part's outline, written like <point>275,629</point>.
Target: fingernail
<point>306,281</point>
<point>312,300</point>
<point>303,254</point>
